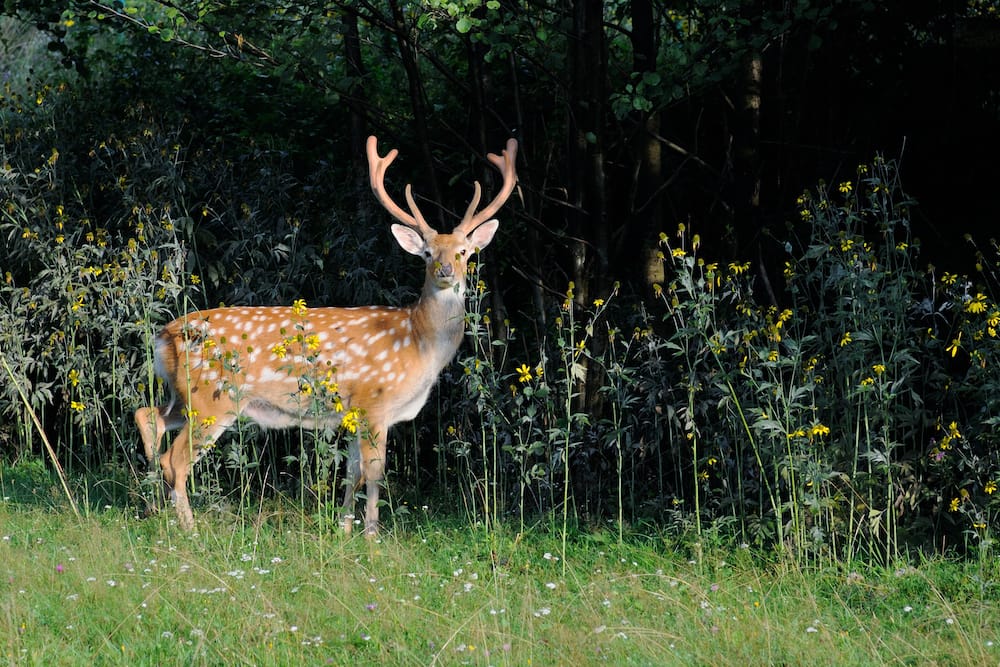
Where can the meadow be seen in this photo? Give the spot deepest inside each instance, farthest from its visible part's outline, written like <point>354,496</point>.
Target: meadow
<point>277,586</point>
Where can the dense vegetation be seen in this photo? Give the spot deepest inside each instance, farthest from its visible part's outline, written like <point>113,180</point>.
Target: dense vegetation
<point>707,309</point>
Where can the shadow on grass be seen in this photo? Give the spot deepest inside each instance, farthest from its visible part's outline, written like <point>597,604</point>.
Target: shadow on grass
<point>32,483</point>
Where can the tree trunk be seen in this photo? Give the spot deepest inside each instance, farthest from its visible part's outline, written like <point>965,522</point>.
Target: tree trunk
<point>646,205</point>
<point>588,228</point>
<point>408,56</point>
<point>358,131</point>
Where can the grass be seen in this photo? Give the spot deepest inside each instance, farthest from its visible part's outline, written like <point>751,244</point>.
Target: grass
<point>277,588</point>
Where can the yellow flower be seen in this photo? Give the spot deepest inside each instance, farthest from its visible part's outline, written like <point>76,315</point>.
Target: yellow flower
<point>772,355</point>
<point>737,269</point>
<point>312,343</point>
<point>77,406</point>
<point>352,420</point>
<point>948,278</point>
<point>953,505</point>
<point>208,421</point>
<point>598,303</point>
<point>280,350</point>
<point>299,307</point>
<point>819,430</point>
<point>678,252</point>
<point>990,487</point>
<point>845,188</point>
<point>868,381</point>
<point>954,345</point>
<point>523,373</point>
<point>879,369</point>
<point>74,377</point>
<point>976,304</point>
<point>845,339</point>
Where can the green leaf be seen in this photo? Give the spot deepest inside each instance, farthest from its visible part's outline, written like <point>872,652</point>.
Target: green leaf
<point>464,25</point>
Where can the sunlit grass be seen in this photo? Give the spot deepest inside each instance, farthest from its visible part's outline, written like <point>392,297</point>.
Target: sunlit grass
<point>112,589</point>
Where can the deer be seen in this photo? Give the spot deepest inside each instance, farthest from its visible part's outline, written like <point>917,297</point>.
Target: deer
<point>359,369</point>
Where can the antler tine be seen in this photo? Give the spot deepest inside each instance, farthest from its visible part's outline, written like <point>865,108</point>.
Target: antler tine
<point>377,167</point>
<point>505,163</point>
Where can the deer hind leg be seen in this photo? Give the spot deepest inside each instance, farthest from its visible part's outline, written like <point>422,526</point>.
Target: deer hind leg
<point>153,423</point>
<point>176,463</point>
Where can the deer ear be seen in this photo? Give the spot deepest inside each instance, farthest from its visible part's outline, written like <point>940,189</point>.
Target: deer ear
<point>409,239</point>
<point>483,234</point>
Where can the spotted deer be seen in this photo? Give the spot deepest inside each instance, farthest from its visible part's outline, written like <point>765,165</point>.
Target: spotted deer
<point>363,369</point>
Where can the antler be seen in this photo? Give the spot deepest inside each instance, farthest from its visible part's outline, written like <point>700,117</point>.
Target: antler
<point>377,167</point>
<point>505,163</point>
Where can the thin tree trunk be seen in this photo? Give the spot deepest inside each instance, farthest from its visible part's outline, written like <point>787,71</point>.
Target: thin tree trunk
<point>589,247</point>
<point>408,56</point>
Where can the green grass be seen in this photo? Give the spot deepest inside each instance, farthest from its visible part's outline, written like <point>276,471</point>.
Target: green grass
<point>281,588</point>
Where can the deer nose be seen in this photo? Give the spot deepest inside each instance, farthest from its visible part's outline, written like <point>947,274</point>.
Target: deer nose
<point>445,270</point>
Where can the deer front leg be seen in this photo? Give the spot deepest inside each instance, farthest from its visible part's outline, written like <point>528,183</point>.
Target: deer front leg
<point>373,471</point>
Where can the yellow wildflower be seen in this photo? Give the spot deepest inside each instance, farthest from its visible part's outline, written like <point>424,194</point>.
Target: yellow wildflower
<point>976,304</point>
<point>990,487</point>
<point>845,339</point>
<point>954,345</point>
<point>299,307</point>
<point>523,373</point>
<point>818,430</point>
<point>352,420</point>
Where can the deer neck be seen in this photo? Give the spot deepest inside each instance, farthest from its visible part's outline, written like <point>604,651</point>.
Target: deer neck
<point>439,320</point>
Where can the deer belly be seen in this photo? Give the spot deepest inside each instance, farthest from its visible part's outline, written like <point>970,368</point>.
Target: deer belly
<point>270,414</point>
